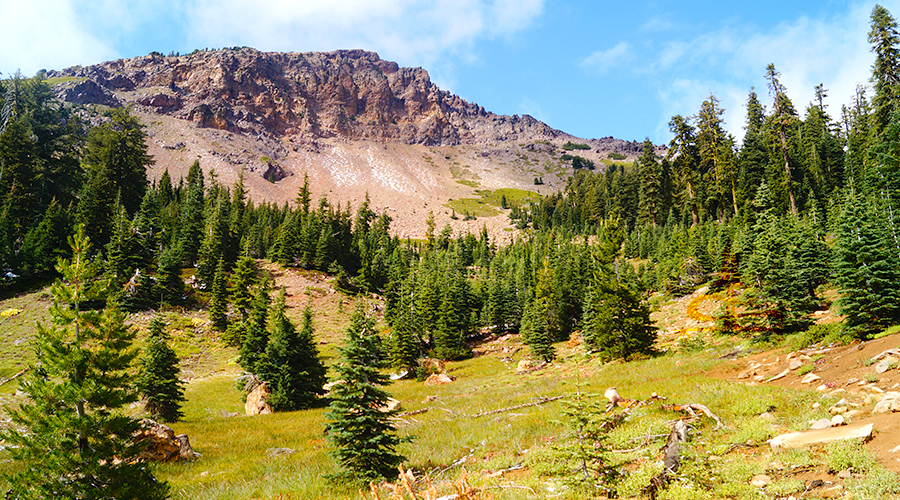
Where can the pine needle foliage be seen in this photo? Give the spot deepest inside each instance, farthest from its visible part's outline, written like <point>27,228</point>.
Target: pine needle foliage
<point>79,443</point>
<point>157,379</point>
<point>361,433</point>
<point>291,364</point>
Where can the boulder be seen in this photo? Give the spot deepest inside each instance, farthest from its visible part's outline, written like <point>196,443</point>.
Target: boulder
<point>162,445</point>
<point>438,379</point>
<point>257,403</point>
<point>795,363</point>
<point>890,402</point>
<point>822,423</point>
<point>760,480</point>
<point>819,437</point>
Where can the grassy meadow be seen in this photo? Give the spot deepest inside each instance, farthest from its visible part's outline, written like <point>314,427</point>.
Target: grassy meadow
<point>507,454</point>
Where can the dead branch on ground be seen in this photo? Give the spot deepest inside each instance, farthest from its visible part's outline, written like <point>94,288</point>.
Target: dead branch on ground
<point>516,407</point>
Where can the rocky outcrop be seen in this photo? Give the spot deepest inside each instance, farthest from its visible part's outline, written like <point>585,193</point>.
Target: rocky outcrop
<point>350,94</point>
<point>162,445</point>
<point>257,401</point>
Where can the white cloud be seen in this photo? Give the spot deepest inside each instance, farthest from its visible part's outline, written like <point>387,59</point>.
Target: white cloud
<point>605,60</point>
<point>414,32</point>
<point>807,51</point>
<point>46,35</point>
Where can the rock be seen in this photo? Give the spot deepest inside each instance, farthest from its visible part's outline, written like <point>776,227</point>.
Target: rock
<point>810,378</point>
<point>890,402</point>
<point>429,399</point>
<point>256,401</point>
<point>390,405</point>
<point>795,363</point>
<point>838,420</point>
<point>895,449</point>
<point>852,381</point>
<point>818,437</point>
<point>823,423</point>
<point>438,379</point>
<point>768,417</point>
<point>277,452</point>
<point>162,445</point>
<point>525,365</point>
<point>885,365</point>
<point>816,405</point>
<point>402,374</point>
<point>822,388</point>
<point>779,376</point>
<point>837,410</point>
<point>229,414</point>
<point>844,474</point>
<point>760,480</point>
<point>835,491</point>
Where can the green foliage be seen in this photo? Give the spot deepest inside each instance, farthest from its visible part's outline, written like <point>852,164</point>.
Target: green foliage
<point>157,380</point>
<point>569,146</point>
<point>291,364</point>
<point>78,442</point>
<point>583,458</point>
<point>361,434</point>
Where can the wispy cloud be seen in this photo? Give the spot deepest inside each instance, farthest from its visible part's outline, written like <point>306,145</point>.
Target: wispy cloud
<point>602,61</point>
<point>807,51</point>
<point>412,31</point>
<point>32,33</point>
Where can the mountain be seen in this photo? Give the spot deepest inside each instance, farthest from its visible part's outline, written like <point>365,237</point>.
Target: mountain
<point>354,123</point>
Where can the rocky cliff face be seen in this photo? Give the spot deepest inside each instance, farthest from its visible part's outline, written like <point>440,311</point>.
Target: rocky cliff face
<point>351,94</point>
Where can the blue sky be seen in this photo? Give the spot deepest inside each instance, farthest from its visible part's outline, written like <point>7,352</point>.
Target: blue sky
<point>589,68</point>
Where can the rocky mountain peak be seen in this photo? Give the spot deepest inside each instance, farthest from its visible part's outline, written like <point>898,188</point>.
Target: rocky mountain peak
<point>351,94</point>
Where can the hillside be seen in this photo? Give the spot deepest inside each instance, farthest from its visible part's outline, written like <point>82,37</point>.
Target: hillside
<point>353,123</point>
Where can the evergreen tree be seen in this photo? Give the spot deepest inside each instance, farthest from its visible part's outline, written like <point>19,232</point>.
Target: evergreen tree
<point>540,321</point>
<point>360,432</point>
<point>157,379</point>
<point>885,40</point>
<point>291,364</point>
<point>78,441</point>
<point>866,269</point>
<point>253,335</point>
<point>616,323</point>
<point>218,301</point>
<point>650,195</point>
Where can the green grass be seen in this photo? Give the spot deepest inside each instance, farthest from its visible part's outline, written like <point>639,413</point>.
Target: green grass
<point>716,462</point>
<point>63,79</point>
<point>16,350</point>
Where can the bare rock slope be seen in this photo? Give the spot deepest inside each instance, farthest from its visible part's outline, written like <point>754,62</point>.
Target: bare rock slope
<point>354,123</point>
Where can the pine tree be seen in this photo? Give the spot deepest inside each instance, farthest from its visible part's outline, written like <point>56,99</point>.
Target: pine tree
<point>360,432</point>
<point>540,321</point>
<point>616,323</point>
<point>157,378</point>
<point>79,442</point>
<point>867,273</point>
<point>291,364</point>
<point>885,40</point>
<point>253,336</point>
<point>218,302</point>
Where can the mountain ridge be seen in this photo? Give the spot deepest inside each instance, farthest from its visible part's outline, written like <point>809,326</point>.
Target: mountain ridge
<point>353,123</point>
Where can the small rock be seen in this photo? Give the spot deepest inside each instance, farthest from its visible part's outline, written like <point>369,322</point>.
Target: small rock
<point>525,365</point>
<point>835,491</point>
<point>810,378</point>
<point>844,474</point>
<point>818,437</point>
<point>837,421</point>
<point>795,363</point>
<point>852,381</point>
<point>276,452</point>
<point>767,416</point>
<point>885,365</point>
<point>390,405</point>
<point>842,402</point>
<point>823,423</point>
<point>429,399</point>
<point>895,449</point>
<point>779,376</point>
<point>816,405</point>
<point>438,379</point>
<point>837,410</point>
<point>760,480</point>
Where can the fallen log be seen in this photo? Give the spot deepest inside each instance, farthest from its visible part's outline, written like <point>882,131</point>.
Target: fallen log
<point>691,410</point>
<point>10,379</point>
<point>516,407</point>
<point>671,459</point>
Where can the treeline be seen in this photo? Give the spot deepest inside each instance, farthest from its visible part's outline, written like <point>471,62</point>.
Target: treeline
<point>799,202</point>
